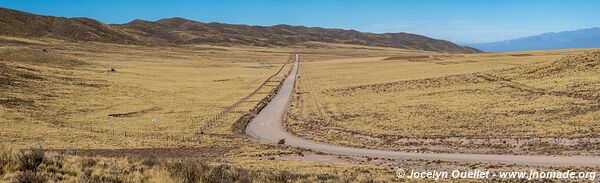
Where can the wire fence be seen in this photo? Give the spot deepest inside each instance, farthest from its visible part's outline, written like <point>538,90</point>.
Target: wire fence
<point>226,110</point>
<point>146,135</point>
<point>182,136</point>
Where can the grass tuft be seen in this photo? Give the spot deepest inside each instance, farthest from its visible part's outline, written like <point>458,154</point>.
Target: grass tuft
<point>29,161</point>
<point>30,177</point>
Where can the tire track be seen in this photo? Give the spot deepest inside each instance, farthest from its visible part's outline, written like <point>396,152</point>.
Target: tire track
<point>267,126</point>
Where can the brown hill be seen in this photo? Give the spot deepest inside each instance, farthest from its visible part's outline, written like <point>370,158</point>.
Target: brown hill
<point>174,31</point>
<point>16,23</point>
<point>179,30</point>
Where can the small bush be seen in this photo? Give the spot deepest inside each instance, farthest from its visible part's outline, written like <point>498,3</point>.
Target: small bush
<point>56,160</point>
<point>241,175</point>
<point>283,176</point>
<point>220,173</point>
<point>30,177</point>
<point>150,162</point>
<point>29,161</point>
<point>86,177</point>
<point>3,162</point>
<point>88,162</point>
<point>187,172</point>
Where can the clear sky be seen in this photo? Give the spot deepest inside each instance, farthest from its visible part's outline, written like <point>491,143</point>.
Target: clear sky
<point>462,21</point>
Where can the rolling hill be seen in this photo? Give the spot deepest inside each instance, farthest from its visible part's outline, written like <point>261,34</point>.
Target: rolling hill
<point>582,38</point>
<point>16,23</point>
<point>177,31</point>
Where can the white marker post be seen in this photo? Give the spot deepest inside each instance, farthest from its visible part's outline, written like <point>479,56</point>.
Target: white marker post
<point>153,121</point>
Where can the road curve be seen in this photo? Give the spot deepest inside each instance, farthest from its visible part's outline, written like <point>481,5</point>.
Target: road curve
<point>267,126</point>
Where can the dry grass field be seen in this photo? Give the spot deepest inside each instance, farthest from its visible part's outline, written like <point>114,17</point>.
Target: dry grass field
<point>104,96</point>
<point>99,100</point>
<point>66,96</point>
<point>92,105</point>
<point>38,166</point>
<point>537,102</point>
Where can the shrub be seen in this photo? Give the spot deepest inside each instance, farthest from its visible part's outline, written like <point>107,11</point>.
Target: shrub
<point>29,161</point>
<point>150,162</point>
<point>3,162</point>
<point>187,172</point>
<point>89,177</point>
<point>283,176</point>
<point>30,177</point>
<point>241,175</point>
<point>86,177</point>
<point>88,162</point>
<point>220,173</point>
<point>56,160</point>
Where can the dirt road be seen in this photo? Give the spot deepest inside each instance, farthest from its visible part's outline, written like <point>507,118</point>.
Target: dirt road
<point>267,126</point>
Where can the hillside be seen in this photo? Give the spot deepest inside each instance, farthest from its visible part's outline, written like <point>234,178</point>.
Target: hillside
<point>580,68</point>
<point>583,38</point>
<point>577,65</point>
<point>178,30</point>
<point>16,23</point>
<point>175,31</point>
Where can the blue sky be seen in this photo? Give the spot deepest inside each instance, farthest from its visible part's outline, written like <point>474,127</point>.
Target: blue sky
<point>462,21</point>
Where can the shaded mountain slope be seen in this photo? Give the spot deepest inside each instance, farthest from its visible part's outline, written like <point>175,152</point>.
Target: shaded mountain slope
<point>16,23</point>
<point>175,31</point>
<point>178,30</point>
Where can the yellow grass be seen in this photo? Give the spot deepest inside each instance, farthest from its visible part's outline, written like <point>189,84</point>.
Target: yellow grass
<point>182,88</point>
<point>378,102</point>
<point>68,102</point>
<point>62,98</point>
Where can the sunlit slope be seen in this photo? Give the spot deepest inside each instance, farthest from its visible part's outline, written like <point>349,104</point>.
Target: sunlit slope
<point>483,96</point>
<point>69,97</point>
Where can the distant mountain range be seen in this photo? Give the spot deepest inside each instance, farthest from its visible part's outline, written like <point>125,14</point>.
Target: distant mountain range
<point>177,31</point>
<point>582,38</point>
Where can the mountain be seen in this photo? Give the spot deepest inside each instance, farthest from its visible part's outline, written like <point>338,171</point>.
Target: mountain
<point>182,31</point>
<point>16,23</point>
<point>582,38</point>
<point>177,31</point>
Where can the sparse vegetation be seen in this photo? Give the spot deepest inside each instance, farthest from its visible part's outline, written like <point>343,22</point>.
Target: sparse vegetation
<point>92,169</point>
<point>98,125</point>
<point>494,103</point>
<point>67,107</point>
<point>169,100</point>
<point>74,93</point>
<point>30,177</point>
<point>29,161</point>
